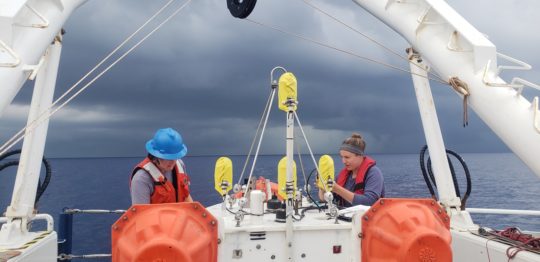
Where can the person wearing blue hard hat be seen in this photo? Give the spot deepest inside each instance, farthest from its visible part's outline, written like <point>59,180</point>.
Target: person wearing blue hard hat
<point>161,176</point>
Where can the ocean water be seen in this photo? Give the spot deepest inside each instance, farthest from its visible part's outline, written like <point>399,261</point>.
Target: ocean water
<point>498,181</point>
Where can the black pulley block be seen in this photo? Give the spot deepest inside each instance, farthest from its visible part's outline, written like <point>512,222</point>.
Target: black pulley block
<point>241,8</point>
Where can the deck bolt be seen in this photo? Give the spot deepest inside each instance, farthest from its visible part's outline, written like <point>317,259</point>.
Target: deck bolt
<point>366,218</point>
<point>213,222</point>
<point>125,218</point>
<point>219,241</point>
<point>382,201</point>
<point>115,227</point>
<point>360,235</point>
<point>203,214</point>
<point>133,209</point>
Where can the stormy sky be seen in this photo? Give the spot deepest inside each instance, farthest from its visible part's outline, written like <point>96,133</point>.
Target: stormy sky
<point>206,74</point>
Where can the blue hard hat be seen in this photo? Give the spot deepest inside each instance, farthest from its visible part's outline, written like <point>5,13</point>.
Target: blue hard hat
<point>167,144</point>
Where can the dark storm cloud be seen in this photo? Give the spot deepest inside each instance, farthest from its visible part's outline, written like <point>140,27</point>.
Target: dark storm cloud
<point>207,75</point>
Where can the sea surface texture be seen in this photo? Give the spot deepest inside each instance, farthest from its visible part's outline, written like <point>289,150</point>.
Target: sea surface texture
<point>498,181</point>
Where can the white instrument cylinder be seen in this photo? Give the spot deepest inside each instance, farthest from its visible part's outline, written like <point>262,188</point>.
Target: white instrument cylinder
<point>257,206</point>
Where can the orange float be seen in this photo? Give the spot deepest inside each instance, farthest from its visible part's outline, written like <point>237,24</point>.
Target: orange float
<point>406,230</point>
<point>260,184</point>
<point>184,232</point>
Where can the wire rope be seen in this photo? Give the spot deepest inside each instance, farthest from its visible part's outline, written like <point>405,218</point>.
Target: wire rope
<point>341,50</point>
<point>371,39</point>
<point>266,109</point>
<point>46,114</point>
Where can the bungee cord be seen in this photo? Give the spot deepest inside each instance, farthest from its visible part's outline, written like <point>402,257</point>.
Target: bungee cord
<point>47,114</point>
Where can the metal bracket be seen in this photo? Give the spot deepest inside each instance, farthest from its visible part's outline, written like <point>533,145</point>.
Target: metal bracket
<point>11,53</point>
<point>424,21</point>
<point>517,83</point>
<point>453,43</point>
<point>520,64</point>
<point>44,24</point>
<point>34,68</point>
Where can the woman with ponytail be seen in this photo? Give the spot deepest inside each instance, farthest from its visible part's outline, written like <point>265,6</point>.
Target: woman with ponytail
<point>360,182</point>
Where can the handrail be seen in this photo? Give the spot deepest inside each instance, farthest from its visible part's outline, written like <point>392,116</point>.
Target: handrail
<point>92,211</point>
<point>46,217</point>
<point>503,211</point>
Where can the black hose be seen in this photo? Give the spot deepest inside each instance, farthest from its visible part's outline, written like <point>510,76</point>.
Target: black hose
<point>309,191</point>
<point>430,173</point>
<point>424,172</point>
<point>303,212</point>
<point>467,176</point>
<point>8,164</point>
<point>452,171</point>
<point>45,183</point>
<point>10,153</point>
<point>42,185</point>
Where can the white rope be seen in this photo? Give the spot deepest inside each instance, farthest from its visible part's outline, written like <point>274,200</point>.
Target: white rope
<point>309,148</point>
<point>266,108</point>
<point>259,143</point>
<point>342,50</point>
<point>373,40</point>
<point>301,163</point>
<point>44,116</point>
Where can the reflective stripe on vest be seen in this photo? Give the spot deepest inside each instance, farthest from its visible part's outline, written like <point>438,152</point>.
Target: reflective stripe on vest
<point>166,191</point>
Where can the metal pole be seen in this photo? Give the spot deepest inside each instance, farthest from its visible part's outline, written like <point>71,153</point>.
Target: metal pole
<point>289,184</point>
<point>24,193</point>
<point>65,233</point>
<point>433,134</point>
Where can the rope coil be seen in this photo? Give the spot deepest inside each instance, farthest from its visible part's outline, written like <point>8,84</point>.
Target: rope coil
<point>462,88</point>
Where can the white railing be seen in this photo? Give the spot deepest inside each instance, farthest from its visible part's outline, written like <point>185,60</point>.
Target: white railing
<point>495,211</point>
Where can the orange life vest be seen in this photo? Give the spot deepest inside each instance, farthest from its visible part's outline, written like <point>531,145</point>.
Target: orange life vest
<point>360,182</point>
<point>165,191</point>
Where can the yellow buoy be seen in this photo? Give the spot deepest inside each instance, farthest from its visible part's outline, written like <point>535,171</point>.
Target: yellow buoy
<point>287,92</point>
<point>223,175</point>
<point>282,177</point>
<point>326,167</point>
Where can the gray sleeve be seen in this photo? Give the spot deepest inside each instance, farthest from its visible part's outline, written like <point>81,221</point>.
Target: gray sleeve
<point>373,189</point>
<point>142,187</point>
